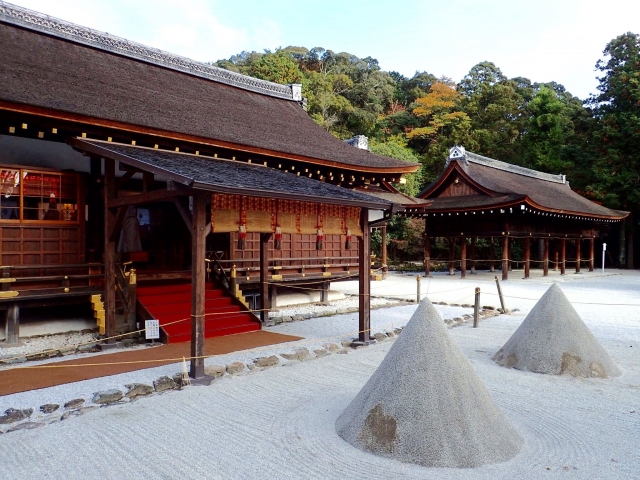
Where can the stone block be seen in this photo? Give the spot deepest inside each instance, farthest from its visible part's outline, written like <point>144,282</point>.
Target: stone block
<point>164,383</point>
<point>332,347</point>
<point>26,426</point>
<point>138,390</point>
<point>320,352</point>
<point>107,396</point>
<point>64,351</point>
<point>266,361</point>
<point>75,403</point>
<point>215,371</point>
<point>12,415</point>
<point>49,407</point>
<point>235,368</point>
<point>299,354</point>
<point>380,337</point>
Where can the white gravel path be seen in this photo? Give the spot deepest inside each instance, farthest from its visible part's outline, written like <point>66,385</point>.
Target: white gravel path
<point>279,423</point>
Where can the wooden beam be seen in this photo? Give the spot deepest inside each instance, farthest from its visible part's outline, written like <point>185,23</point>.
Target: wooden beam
<point>364,277</point>
<point>12,324</point>
<point>452,252</point>
<point>492,255</point>
<point>264,273</point>
<point>527,256</point>
<point>153,196</point>
<point>427,255</point>
<point>563,256</point>
<point>117,224</point>
<point>545,257</point>
<point>124,178</point>
<point>505,257</point>
<point>197,287</point>
<point>385,268</point>
<point>147,181</point>
<point>184,213</point>
<point>472,255</point>
<point>109,250</point>
<point>463,257</point>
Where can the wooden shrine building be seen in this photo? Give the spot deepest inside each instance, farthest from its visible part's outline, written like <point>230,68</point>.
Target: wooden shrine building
<point>479,197</point>
<point>115,156</point>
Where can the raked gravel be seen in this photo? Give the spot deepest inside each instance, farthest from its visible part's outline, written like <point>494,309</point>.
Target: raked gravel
<point>280,422</point>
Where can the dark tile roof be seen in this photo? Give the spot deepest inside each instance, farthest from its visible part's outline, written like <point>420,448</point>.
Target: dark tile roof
<point>503,180</point>
<point>472,202</point>
<point>395,197</point>
<point>219,175</point>
<point>52,73</point>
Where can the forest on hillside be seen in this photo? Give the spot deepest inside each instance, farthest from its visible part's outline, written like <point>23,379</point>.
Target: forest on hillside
<point>594,141</point>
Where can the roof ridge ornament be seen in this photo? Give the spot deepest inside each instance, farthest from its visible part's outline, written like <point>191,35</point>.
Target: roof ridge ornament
<point>457,152</point>
<point>32,20</point>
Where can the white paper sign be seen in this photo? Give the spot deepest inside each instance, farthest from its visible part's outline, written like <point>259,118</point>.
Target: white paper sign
<point>152,329</point>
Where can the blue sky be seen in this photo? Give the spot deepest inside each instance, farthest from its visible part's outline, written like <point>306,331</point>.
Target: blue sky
<point>542,40</point>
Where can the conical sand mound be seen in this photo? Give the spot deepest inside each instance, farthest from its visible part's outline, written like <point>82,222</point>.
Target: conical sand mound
<point>554,339</point>
<point>425,404</point>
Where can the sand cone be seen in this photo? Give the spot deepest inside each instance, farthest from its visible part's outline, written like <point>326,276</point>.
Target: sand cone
<point>425,404</point>
<point>554,339</point>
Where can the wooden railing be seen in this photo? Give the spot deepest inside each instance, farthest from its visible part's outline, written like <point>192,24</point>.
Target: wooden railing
<point>45,281</point>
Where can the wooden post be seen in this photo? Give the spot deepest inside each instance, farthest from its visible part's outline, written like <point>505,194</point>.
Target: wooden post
<point>364,277</point>
<point>383,233</point>
<point>452,252</point>
<point>505,258</point>
<point>273,295</point>
<point>476,309</point>
<point>427,255</point>
<point>132,289</point>
<point>592,253</point>
<point>198,286</point>
<point>527,256</point>
<point>472,255</point>
<point>12,324</point>
<point>324,293</point>
<point>463,257</point>
<point>578,259</point>
<point>545,258</point>
<point>563,256</point>
<point>264,271</point>
<point>492,267</point>
<point>555,261</point>
<point>504,309</point>
<point>109,192</point>
<point>417,288</point>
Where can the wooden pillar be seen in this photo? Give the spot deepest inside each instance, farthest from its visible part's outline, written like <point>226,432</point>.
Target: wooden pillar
<point>545,258</point>
<point>505,258</point>
<point>563,256</point>
<point>12,323</point>
<point>527,256</point>
<point>452,252</point>
<point>492,267</point>
<point>324,292</point>
<point>273,295</point>
<point>427,255</point>
<point>198,286</point>
<point>264,272</point>
<point>555,260</point>
<point>463,257</point>
<point>592,252</point>
<point>472,255</point>
<point>109,192</point>
<point>578,242</point>
<point>383,233</point>
<point>364,277</point>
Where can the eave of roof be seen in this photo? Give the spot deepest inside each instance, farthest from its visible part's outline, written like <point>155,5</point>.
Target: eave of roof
<point>228,176</point>
<point>67,77</point>
<point>539,190</point>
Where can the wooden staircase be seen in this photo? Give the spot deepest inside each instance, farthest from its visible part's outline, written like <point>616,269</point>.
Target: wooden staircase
<point>169,303</point>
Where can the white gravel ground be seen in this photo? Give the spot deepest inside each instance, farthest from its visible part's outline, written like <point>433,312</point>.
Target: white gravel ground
<point>279,423</point>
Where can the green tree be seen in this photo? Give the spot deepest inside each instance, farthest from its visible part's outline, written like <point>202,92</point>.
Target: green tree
<point>617,109</point>
<point>396,147</point>
<point>278,67</point>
